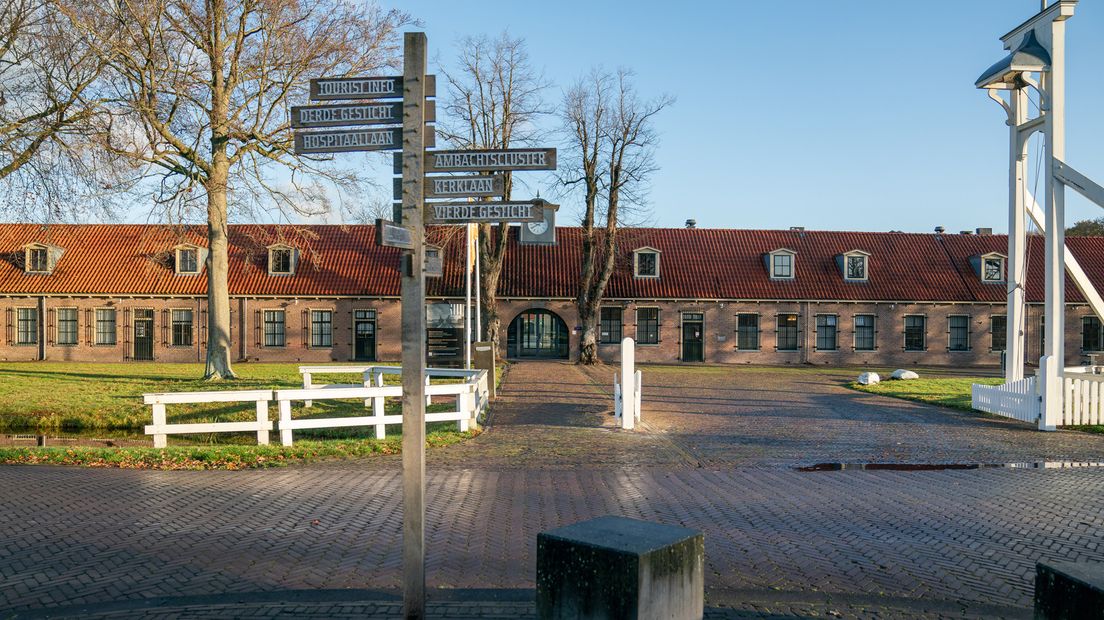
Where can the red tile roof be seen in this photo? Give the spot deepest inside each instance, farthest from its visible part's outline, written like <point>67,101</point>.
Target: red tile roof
<point>694,264</point>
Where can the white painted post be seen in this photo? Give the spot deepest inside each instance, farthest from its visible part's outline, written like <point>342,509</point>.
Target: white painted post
<point>306,386</point>
<point>285,420</point>
<point>429,399</point>
<point>616,397</point>
<point>160,440</point>
<point>464,408</point>
<point>367,378</point>
<point>628,384</point>
<point>639,385</point>
<point>378,406</point>
<point>262,419</point>
<point>1015,272</point>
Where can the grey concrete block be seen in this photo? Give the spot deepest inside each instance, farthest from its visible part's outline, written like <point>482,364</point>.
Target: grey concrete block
<point>1068,590</point>
<point>614,567</point>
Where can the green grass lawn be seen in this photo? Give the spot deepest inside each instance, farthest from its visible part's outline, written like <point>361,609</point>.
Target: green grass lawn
<point>947,392</point>
<point>70,397</point>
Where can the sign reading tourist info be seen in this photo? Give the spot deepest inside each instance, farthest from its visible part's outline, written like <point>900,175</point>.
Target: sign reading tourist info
<point>328,89</point>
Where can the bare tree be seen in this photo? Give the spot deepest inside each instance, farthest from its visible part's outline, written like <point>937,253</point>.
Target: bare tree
<point>610,151</point>
<point>494,99</point>
<point>201,100</point>
<point>47,73</point>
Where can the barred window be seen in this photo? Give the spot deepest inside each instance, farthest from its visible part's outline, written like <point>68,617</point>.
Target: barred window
<point>960,332</point>
<point>647,264</point>
<point>787,332</point>
<point>915,333</point>
<point>609,328</point>
<point>826,332</point>
<point>856,267</point>
<point>182,328</point>
<point>274,333</point>
<point>647,326</point>
<point>67,326</point>
<point>998,332</point>
<point>281,260</point>
<point>747,332</point>
<point>105,326</point>
<point>27,326</point>
<point>864,332</point>
<point>321,328</point>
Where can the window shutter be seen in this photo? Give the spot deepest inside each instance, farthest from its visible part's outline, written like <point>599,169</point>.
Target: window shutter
<point>352,336</point>
<point>306,327</point>
<point>8,326</point>
<point>88,331</point>
<point>257,327</point>
<point>126,334</point>
<point>50,318</point>
<point>203,328</point>
<point>164,328</point>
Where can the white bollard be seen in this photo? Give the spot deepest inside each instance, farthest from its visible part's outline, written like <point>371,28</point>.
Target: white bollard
<point>639,385</point>
<point>285,421</point>
<point>628,384</point>
<point>306,386</point>
<point>378,408</point>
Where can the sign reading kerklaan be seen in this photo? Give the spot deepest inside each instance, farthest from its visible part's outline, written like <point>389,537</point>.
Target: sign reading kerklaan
<point>490,160</point>
<point>468,212</point>
<point>352,140</point>
<point>468,186</point>
<point>382,87</point>
<point>383,113</point>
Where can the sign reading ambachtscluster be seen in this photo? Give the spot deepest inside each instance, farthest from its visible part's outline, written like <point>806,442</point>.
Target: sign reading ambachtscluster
<point>490,160</point>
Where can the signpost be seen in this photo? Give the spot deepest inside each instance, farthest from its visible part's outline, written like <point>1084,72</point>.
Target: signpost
<point>413,112</point>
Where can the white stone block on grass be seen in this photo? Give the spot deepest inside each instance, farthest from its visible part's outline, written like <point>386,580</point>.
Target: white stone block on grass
<point>869,378</point>
<point>903,374</point>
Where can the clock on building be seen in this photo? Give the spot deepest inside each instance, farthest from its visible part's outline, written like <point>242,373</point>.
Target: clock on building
<point>540,233</point>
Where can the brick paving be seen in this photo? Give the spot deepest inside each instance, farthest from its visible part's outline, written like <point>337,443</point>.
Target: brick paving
<point>779,542</point>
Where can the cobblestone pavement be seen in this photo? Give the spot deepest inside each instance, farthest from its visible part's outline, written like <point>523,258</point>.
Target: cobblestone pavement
<point>757,416</point>
<point>779,542</point>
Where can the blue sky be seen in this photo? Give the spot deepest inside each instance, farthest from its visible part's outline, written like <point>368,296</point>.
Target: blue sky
<point>841,115</point>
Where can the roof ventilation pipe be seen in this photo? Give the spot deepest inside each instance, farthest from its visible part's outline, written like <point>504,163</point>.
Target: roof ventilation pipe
<point>691,223</point>
<point>939,230</point>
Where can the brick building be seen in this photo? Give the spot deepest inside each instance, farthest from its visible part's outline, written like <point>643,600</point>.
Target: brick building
<point>328,293</point>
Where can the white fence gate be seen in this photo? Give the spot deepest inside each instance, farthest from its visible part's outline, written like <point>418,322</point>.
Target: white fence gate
<point>1084,399</point>
<point>1016,400</point>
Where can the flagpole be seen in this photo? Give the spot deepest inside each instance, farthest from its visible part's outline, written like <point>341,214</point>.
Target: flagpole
<point>478,294</point>
<point>467,297</point>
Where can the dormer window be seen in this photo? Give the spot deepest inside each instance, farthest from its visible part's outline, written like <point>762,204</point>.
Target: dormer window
<point>992,268</point>
<point>646,263</point>
<point>281,260</point>
<point>781,264</point>
<point>37,260</point>
<point>856,266</point>
<point>40,257</point>
<point>187,260</point>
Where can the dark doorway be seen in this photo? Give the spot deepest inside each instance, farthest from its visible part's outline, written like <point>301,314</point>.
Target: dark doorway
<point>143,334</point>
<point>364,328</point>
<point>693,339</point>
<point>538,334</point>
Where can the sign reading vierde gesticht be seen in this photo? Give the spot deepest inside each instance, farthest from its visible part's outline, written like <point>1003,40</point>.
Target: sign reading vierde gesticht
<point>468,212</point>
<point>381,113</point>
<point>382,87</point>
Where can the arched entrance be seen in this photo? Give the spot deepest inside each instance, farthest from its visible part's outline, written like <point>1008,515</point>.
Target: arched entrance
<point>537,333</point>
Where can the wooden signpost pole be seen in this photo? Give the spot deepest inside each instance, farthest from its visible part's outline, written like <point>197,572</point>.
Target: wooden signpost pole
<point>413,326</point>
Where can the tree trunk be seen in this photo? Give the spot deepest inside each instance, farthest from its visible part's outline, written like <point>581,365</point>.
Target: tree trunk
<point>588,341</point>
<point>218,272</point>
<point>492,250</point>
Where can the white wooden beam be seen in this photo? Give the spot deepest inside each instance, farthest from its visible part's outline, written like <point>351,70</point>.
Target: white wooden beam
<point>1073,268</point>
<point>1083,184</point>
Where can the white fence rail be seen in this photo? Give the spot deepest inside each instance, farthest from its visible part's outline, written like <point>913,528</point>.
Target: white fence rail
<point>1016,400</point>
<point>471,396</point>
<point>160,428</point>
<point>1083,398</point>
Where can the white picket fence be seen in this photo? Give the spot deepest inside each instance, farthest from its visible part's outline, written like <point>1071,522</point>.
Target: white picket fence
<point>472,396</point>
<point>1016,400</point>
<point>1084,399</point>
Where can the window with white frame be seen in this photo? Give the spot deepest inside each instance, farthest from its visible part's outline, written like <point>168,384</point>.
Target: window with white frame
<point>321,328</point>
<point>747,332</point>
<point>105,326</point>
<point>998,332</point>
<point>274,328</point>
<point>26,328</point>
<point>1092,336</point>
<point>864,332</point>
<point>646,263</point>
<point>916,332</point>
<point>609,326</point>
<point>787,339</point>
<point>826,332</point>
<point>992,268</point>
<point>782,265</point>
<point>37,260</point>
<point>958,326</point>
<point>187,261</point>
<point>281,261</point>
<point>856,266</point>
<point>182,328</point>
<point>647,325</point>
<point>67,326</point>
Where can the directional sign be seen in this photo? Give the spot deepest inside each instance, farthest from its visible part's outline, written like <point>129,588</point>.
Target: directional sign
<point>486,160</point>
<point>468,212</point>
<point>380,87</point>
<point>352,140</point>
<point>392,236</point>
<point>382,113</point>
<point>468,186</point>
<point>434,264</point>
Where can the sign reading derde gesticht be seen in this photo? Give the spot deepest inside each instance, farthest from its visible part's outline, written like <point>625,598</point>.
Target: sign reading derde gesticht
<point>466,212</point>
<point>326,89</point>
<point>381,113</point>
<point>490,160</point>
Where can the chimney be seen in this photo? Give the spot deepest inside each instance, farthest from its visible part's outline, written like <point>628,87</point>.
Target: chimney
<point>939,230</point>
<point>984,231</point>
<point>965,232</point>
<point>691,223</point>
<point>797,228</point>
